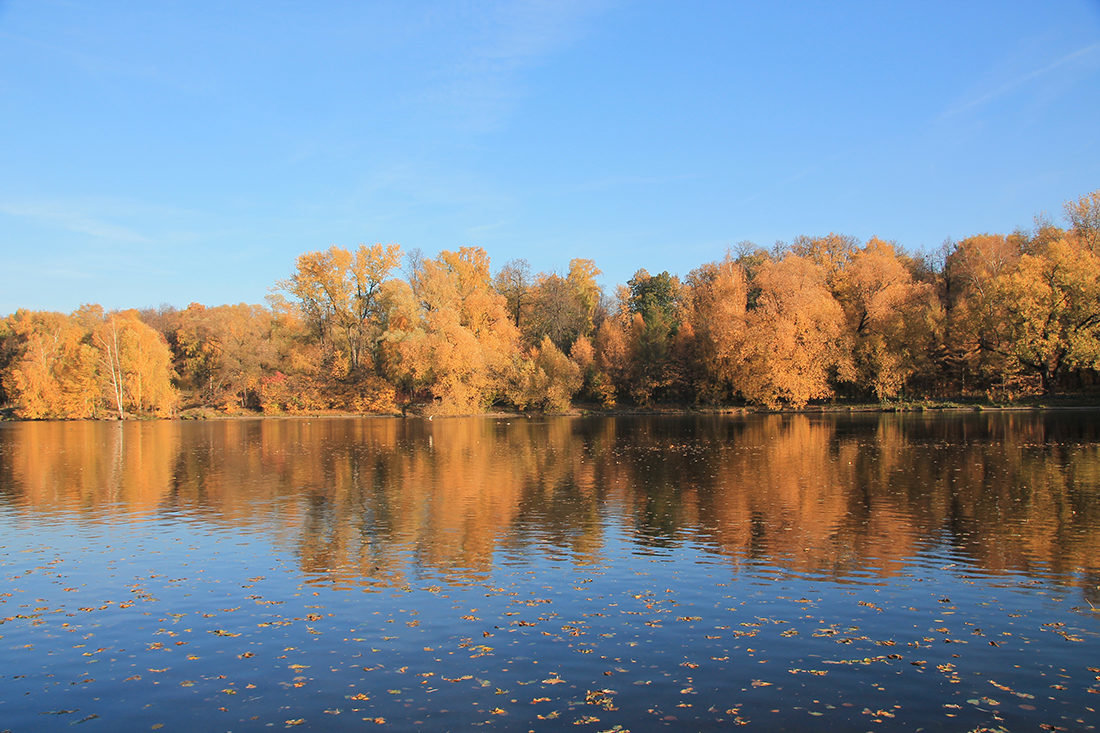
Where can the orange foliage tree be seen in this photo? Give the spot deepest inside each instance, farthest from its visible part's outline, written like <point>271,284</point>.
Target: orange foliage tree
<point>1050,306</point>
<point>53,371</point>
<point>460,344</point>
<point>891,317</point>
<point>716,298</point>
<point>88,364</point>
<point>973,308</point>
<point>339,294</point>
<point>544,378</point>
<point>795,340</point>
<point>225,351</point>
<point>1084,217</point>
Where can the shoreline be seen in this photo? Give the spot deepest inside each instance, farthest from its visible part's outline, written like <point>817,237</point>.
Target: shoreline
<point>583,410</point>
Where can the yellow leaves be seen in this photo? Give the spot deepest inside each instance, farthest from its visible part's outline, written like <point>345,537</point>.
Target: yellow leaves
<point>63,363</point>
<point>339,293</point>
<point>546,379</point>
<point>1084,215</point>
<point>717,298</point>
<point>1051,302</point>
<point>795,336</point>
<point>463,339</point>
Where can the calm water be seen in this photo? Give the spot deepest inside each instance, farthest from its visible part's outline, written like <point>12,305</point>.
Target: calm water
<point>785,572</point>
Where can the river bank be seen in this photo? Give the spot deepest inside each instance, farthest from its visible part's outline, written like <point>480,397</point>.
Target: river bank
<point>1059,402</point>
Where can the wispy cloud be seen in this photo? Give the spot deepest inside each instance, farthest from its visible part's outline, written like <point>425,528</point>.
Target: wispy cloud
<point>623,181</point>
<point>478,81</point>
<point>986,97</point>
<point>73,218</point>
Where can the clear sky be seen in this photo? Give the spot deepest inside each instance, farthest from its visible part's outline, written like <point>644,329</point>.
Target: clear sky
<point>170,152</point>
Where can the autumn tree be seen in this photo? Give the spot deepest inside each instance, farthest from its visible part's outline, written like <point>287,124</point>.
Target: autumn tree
<point>832,253</point>
<point>582,279</point>
<point>460,344</point>
<point>613,361</point>
<point>8,353</point>
<point>52,370</point>
<point>595,383</point>
<point>890,317</point>
<point>653,302</point>
<point>750,258</point>
<point>1050,307</point>
<point>85,364</point>
<point>794,338</point>
<point>225,351</point>
<point>1084,217</point>
<point>135,361</point>
<point>338,292</point>
<point>563,308</point>
<point>513,281</point>
<point>556,313</point>
<point>716,297</point>
<point>544,378</point>
<point>973,306</point>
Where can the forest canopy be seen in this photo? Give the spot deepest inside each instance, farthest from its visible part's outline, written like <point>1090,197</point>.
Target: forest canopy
<point>991,317</point>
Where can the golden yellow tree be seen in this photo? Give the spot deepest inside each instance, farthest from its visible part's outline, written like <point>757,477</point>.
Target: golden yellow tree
<point>889,317</point>
<point>831,253</point>
<point>1084,217</point>
<point>75,366</point>
<point>461,344</point>
<point>339,294</point>
<point>973,307</point>
<point>52,370</point>
<point>715,312</point>
<point>582,278</point>
<point>225,351</point>
<point>612,361</point>
<point>1050,306</point>
<point>147,368</point>
<point>135,363</point>
<point>795,336</point>
<point>544,378</point>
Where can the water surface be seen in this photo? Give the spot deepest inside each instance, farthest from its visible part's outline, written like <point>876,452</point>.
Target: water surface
<point>784,571</point>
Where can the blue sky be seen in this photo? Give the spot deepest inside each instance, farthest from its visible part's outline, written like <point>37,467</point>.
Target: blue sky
<point>172,152</point>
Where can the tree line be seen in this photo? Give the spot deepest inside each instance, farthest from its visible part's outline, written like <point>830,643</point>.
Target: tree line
<point>371,330</point>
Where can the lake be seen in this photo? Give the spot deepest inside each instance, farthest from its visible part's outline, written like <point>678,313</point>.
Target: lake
<point>844,571</point>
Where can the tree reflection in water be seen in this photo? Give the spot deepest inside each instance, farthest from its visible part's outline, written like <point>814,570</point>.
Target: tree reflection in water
<point>372,501</point>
